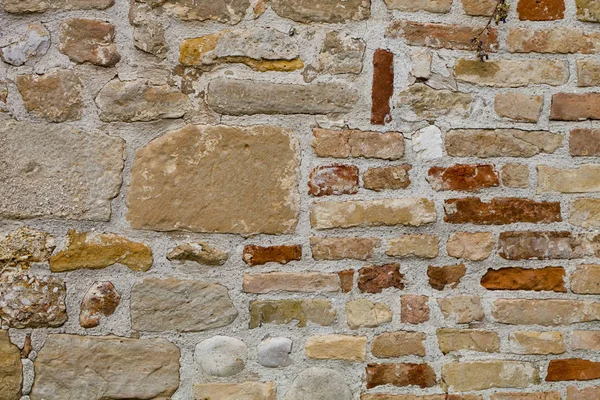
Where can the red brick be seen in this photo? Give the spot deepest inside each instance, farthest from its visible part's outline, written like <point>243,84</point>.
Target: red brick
<point>549,279</point>
<point>258,255</point>
<point>346,280</point>
<point>573,369</point>
<point>335,179</point>
<point>383,87</point>
<point>585,142</point>
<point>464,177</point>
<point>414,309</point>
<point>541,10</point>
<point>500,211</point>
<point>375,278</point>
<point>450,275</point>
<point>575,107</point>
<point>401,375</point>
<point>547,245</point>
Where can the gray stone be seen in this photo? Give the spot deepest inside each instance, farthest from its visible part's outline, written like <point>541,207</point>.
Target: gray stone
<point>11,374</point>
<point>274,352</point>
<point>58,171</point>
<point>89,40</point>
<point>221,356</point>
<point>246,97</point>
<point>35,43</point>
<point>319,384</point>
<point>341,54</point>
<point>333,11</point>
<point>420,101</point>
<point>180,305</point>
<point>71,367</point>
<point>149,37</point>
<point>138,100</point>
<point>201,253</point>
<point>257,43</point>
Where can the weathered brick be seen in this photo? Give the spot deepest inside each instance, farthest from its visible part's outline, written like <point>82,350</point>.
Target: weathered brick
<point>375,278</point>
<point>480,375</point>
<point>401,375</point>
<point>556,40</point>
<point>353,143</point>
<point>434,6</point>
<point>442,36</point>
<point>387,178</point>
<point>36,6</point>
<point>532,342</point>
<point>398,344</point>
<point>282,312</point>
<point>500,211</point>
<point>586,279</point>
<point>449,275</point>
<point>420,101</point>
<point>463,177</point>
<point>515,175</point>
<point>363,313</point>
<point>383,87</point>
<point>332,11</point>
<point>414,309</point>
<point>89,40</point>
<point>547,245</point>
<point>588,73</point>
<point>517,278</point>
<point>585,340</point>
<point>526,396</point>
<point>259,255</point>
<point>337,347</point>
<point>244,390</point>
<point>512,73</point>
<point>541,10</point>
<point>486,143</point>
<point>340,248</point>
<point>585,212</point>
<point>450,340</point>
<point>290,282</point>
<point>588,10</point>
<point>384,212</point>
<point>479,7</point>
<point>462,309</point>
<point>418,245</point>
<point>584,142</point>
<point>476,246</point>
<point>333,179</point>
<point>518,106</point>
<point>586,393</point>
<point>575,107</point>
<point>545,312</point>
<point>573,369</point>
<point>584,179</point>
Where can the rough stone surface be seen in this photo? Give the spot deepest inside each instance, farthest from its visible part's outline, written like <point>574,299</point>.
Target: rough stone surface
<point>339,248</point>
<point>88,40</point>
<point>282,312</point>
<point>479,7</point>
<point>238,391</point>
<point>544,10</point>
<point>427,143</point>
<point>584,142</point>
<point>341,54</point>
<point>221,356</point>
<point>259,255</point>
<point>512,73</point>
<point>573,369</point>
<point>575,107</point>
<point>588,10</point>
<point>562,40</point>
<point>333,179</point>
<point>11,373</point>
<point>383,87</point>
<point>532,342</point>
<point>434,6</point>
<point>337,347</point>
<point>260,197</point>
<point>463,177</point>
<point>387,178</point>
<point>374,279</point>
<point>500,211</point>
<point>35,6</point>
<point>486,143</point>
<point>34,44</point>
<point>363,313</point>
<point>319,384</point>
<point>422,102</point>
<point>332,11</point>
<point>414,309</point>
<point>515,175</point>
<point>571,180</point>
<point>353,143</point>
<point>585,340</point>
<point>462,309</point>
<point>25,245</point>
<point>479,375</point>
<point>451,340</point>
<point>551,312</point>
<point>199,252</point>
<point>274,352</point>
<point>229,12</point>
<point>526,396</point>
<point>588,73</point>
<point>291,282</point>
<point>418,245</point>
<point>398,344</point>
<point>450,276</point>
<point>589,392</point>
<point>472,246</point>
<point>101,300</point>
<point>518,106</point>
<point>516,278</point>
<point>586,279</point>
<point>400,375</point>
<point>547,245</point>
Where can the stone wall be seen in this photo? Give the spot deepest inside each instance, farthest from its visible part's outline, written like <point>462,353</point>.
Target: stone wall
<point>299,200</point>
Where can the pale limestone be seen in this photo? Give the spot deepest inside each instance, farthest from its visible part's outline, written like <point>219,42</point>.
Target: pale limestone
<point>518,106</point>
<point>221,356</point>
<point>434,6</point>
<point>230,12</point>
<point>585,212</point>
<point>586,279</point>
<point>319,384</point>
<point>418,245</point>
<point>199,252</point>
<point>337,347</point>
<point>339,248</point>
<point>480,375</point>
<point>398,344</point>
<point>427,143</point>
<point>546,312</point>
<point>585,340</point>
<point>462,309</point>
<point>341,54</point>
<point>332,11</point>
<point>472,246</point>
<point>33,45</point>
<point>420,101</point>
<point>533,342</point>
<point>588,73</point>
<point>363,313</point>
<point>584,179</point>
<point>235,391</point>
<point>450,340</point>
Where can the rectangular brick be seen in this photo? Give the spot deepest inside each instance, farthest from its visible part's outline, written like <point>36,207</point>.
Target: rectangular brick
<point>573,369</point>
<point>518,106</point>
<point>472,246</point>
<point>282,312</point>
<point>588,73</point>
<point>584,142</point>
<point>586,279</point>
<point>434,6</point>
<point>585,179</point>
<point>515,175</point>
<point>463,177</point>
<point>575,107</point>
<point>479,7</point>
<point>259,255</point>
<point>414,309</point>
<point>500,211</point>
<point>398,344</point>
<point>353,143</point>
<point>585,212</point>
<point>400,375</point>
<point>512,73</point>
<point>517,278</point>
<point>340,248</point>
<point>337,347</point>
<point>481,375</point>
<point>527,245</point>
<point>291,282</point>
<point>387,178</point>
<point>587,393</point>
<point>526,396</point>
<point>333,179</point>
<point>228,391</point>
<point>445,396</point>
<point>547,312</point>
<point>462,309</point>
<point>450,340</point>
<point>556,40</point>
<point>383,87</point>
<point>532,342</point>
<point>418,245</point>
<point>585,340</point>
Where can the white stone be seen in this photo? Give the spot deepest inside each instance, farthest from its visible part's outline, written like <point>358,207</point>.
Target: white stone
<point>420,59</point>
<point>221,356</point>
<point>275,352</point>
<point>319,384</point>
<point>427,143</point>
<point>36,42</point>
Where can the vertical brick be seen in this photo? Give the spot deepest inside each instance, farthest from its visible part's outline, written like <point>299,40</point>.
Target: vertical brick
<point>383,87</point>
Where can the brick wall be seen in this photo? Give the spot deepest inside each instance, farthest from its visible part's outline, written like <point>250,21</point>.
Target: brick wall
<point>299,200</point>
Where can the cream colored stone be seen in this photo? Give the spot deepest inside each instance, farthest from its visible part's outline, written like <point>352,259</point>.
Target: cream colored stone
<point>533,342</point>
<point>339,248</point>
<point>341,54</point>
<point>11,374</point>
<point>199,252</point>
<point>585,340</point>
<point>472,246</point>
<point>420,101</point>
<point>546,312</point>
<point>518,106</point>
<point>515,175</point>
<point>329,11</point>
<point>512,73</point>
<point>586,279</point>
<point>585,212</point>
<point>398,344</point>
<point>363,313</point>
<point>235,391</point>
<point>26,245</point>
<point>450,340</point>
<point>418,245</point>
<point>420,59</point>
<point>588,73</point>
<point>337,347</point>
<point>480,375</point>
<point>291,282</point>
<point>462,309</point>
<point>584,179</point>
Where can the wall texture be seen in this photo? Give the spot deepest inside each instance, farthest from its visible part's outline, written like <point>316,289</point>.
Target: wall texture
<point>299,200</point>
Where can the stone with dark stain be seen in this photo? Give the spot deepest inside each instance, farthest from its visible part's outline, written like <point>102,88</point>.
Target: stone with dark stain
<point>333,179</point>
<point>516,278</point>
<point>401,375</point>
<point>375,278</point>
<point>463,177</point>
<point>449,275</point>
<point>259,255</point>
<point>383,87</point>
<point>500,211</point>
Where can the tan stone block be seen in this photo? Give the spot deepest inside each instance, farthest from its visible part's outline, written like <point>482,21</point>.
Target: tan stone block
<point>526,396</point>
<point>588,73</point>
<point>353,143</point>
<point>462,309</point>
<point>561,40</point>
<point>89,40</point>
<point>281,312</point>
<point>420,101</point>
<point>585,212</point>
<point>434,6</point>
<point>586,279</point>
<point>339,248</point>
<point>515,175</point>
<point>291,282</point>
<point>450,340</point>
<point>480,375</point>
<point>547,312</point>
<point>518,106</point>
<point>11,369</point>
<point>584,179</point>
<point>585,340</point>
<point>337,347</point>
<point>363,313</point>
<point>512,73</point>
<point>418,245</point>
<point>532,342</point>
<point>235,391</point>
<point>398,344</point>
<point>588,10</point>
<point>476,246</point>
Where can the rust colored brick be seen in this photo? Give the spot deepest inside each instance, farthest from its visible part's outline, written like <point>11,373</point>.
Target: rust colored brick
<point>573,369</point>
<point>383,87</point>
<point>500,211</point>
<point>258,255</point>
<point>464,177</point>
<point>346,280</point>
<point>541,10</point>
<point>585,142</point>
<point>375,278</point>
<point>333,179</point>
<point>516,278</point>
<point>401,375</point>
<point>387,178</point>
<point>450,275</point>
<point>575,107</point>
<point>414,309</point>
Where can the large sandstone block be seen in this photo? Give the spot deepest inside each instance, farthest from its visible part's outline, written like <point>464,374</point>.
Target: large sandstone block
<point>71,367</point>
<point>562,40</point>
<point>58,171</point>
<point>11,374</point>
<point>217,179</point>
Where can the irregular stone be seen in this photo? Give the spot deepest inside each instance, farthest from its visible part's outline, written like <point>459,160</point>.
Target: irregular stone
<point>333,179</point>
<point>11,369</point>
<point>138,368</point>
<point>398,344</point>
<point>586,279</point>
<point>291,282</point>
<point>94,250</point>
<point>464,177</point>
<point>199,252</point>
<point>228,12</point>
<point>486,143</point>
<point>337,347</point>
<point>518,106</point>
<point>516,278</point>
<point>512,73</point>
<point>451,340</point>
<point>586,393</point>
<point>400,375</point>
<point>500,211</point>
<point>480,375</point>
<point>319,384</point>
<point>434,6</point>
<point>148,31</point>
<point>26,245</point>
<point>575,106</point>
<point>221,356</point>
<point>588,73</point>
<point>274,352</point>
<point>383,87</point>
<point>282,312</point>
<point>341,54</point>
<point>584,179</point>
<point>544,10</point>
<point>253,190</point>
<point>34,44</point>
<point>420,101</point>
<point>237,391</point>
<point>420,60</point>
<point>573,369</point>
<point>561,40</point>
<point>340,248</point>
<point>584,142</point>
<point>589,11</point>
<point>383,212</point>
<point>450,275</point>
<point>139,101</point>
<point>55,96</point>
<point>547,245</point>
<point>545,312</point>
<point>248,97</point>
<point>346,280</point>
<point>258,255</point>
<point>180,305</point>
<point>526,396</point>
<point>462,309</point>
<point>515,175</point>
<point>37,156</point>
<point>479,7</point>
<point>89,40</point>
<point>101,299</point>
<point>35,6</point>
<point>330,11</point>
<point>414,309</point>
<point>387,178</point>
<point>585,340</point>
<point>427,143</point>
<point>418,245</point>
<point>363,313</point>
<point>353,143</point>
<point>532,342</point>
<point>375,278</point>
<point>476,246</point>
